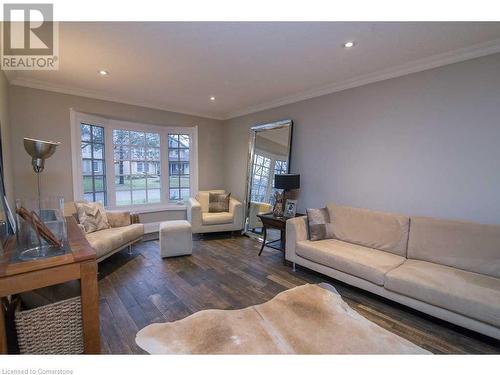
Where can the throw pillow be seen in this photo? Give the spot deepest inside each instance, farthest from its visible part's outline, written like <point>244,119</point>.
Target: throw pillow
<point>218,202</point>
<point>92,216</point>
<point>319,224</point>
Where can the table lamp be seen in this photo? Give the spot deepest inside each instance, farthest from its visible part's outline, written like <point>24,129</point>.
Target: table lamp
<point>285,182</point>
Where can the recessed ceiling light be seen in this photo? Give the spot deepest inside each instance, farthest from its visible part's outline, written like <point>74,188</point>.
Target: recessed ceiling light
<point>349,44</point>
<point>103,72</point>
<point>212,98</point>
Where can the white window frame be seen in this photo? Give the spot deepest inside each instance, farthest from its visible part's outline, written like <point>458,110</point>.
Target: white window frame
<point>109,124</point>
<point>272,170</point>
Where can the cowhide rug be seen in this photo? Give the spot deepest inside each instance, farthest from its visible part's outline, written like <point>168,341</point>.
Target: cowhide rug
<point>309,319</point>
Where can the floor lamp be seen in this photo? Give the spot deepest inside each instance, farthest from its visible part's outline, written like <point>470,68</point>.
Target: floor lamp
<point>39,151</point>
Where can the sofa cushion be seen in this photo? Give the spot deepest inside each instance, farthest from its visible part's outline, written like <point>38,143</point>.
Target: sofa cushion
<point>213,218</point>
<point>107,240</point>
<point>374,229</point>
<point>203,197</point>
<point>467,293</point>
<point>356,260</point>
<point>318,221</point>
<point>118,218</point>
<point>218,202</point>
<point>469,246</point>
<point>92,216</point>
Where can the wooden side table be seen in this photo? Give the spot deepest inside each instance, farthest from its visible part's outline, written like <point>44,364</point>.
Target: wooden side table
<point>272,222</point>
<point>79,264</point>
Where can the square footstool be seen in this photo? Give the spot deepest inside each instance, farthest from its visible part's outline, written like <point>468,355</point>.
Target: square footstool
<point>175,238</point>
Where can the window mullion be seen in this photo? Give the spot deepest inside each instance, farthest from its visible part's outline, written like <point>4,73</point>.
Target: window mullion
<point>110,164</point>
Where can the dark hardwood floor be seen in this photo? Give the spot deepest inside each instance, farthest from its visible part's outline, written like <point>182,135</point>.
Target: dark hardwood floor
<point>226,273</point>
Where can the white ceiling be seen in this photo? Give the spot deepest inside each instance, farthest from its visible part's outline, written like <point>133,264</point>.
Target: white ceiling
<point>246,66</point>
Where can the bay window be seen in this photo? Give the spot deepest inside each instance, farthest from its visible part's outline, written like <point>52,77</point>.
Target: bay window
<point>126,164</point>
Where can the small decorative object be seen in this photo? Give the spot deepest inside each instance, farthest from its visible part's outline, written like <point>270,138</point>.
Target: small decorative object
<point>278,204</point>
<point>290,208</point>
<point>285,182</point>
<point>41,231</point>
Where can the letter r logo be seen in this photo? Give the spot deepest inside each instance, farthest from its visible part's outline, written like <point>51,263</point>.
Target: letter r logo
<point>28,29</point>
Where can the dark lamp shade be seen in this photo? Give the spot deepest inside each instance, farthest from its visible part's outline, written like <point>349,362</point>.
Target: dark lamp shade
<point>287,181</point>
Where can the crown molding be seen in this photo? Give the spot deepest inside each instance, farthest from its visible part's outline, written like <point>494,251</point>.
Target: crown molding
<point>43,85</point>
<point>463,54</point>
<point>450,57</point>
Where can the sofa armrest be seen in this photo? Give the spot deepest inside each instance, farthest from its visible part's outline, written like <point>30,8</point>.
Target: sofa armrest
<point>296,230</point>
<point>194,214</point>
<point>236,208</point>
<point>118,219</point>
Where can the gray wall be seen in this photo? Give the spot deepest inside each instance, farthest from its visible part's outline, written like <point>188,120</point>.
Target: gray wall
<point>46,115</point>
<point>6,144</point>
<point>423,144</point>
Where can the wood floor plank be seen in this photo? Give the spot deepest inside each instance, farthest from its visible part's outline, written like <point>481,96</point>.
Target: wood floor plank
<point>225,272</point>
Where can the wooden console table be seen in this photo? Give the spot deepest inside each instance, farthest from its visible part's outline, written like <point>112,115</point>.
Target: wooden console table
<point>269,221</point>
<point>79,264</point>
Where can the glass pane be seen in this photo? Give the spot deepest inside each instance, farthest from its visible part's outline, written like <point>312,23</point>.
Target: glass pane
<point>185,182</point>
<point>173,155</point>
<point>173,141</point>
<point>87,167</point>
<point>138,182</point>
<point>121,152</point>
<point>97,134</point>
<point>154,195</point>
<point>137,138</point>
<point>174,168</point>
<point>137,153</point>
<point>153,168</point>
<point>153,139</point>
<point>87,184</point>
<point>85,132</point>
<point>137,167</point>
<point>139,196</point>
<point>174,182</point>
<point>98,166</point>
<point>185,168</point>
<point>184,155</point>
<point>184,141</point>
<point>89,197</point>
<point>153,154</point>
<point>98,149</point>
<point>123,198</point>
<point>122,167</point>
<point>267,162</point>
<point>184,194</point>
<point>100,197</point>
<point>153,182</point>
<point>174,195</point>
<point>121,137</point>
<point>86,150</point>
<point>99,183</point>
<point>123,183</point>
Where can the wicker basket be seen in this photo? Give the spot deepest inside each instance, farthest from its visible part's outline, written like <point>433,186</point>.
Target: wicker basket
<point>51,329</point>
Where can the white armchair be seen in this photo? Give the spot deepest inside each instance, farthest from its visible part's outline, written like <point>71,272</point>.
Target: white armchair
<point>203,221</point>
<point>257,208</point>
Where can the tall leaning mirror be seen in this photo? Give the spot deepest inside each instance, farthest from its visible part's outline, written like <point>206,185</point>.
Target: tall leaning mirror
<point>269,154</point>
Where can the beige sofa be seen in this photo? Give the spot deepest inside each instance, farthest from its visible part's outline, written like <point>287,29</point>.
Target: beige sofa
<point>203,221</point>
<point>447,269</point>
<point>124,232</point>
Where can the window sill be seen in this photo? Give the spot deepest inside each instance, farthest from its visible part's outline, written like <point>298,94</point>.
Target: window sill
<point>150,209</point>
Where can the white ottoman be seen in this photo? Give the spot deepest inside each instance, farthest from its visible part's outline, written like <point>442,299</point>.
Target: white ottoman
<point>175,238</point>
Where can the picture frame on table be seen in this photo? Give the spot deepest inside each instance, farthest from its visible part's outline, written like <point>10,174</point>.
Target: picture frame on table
<point>290,208</point>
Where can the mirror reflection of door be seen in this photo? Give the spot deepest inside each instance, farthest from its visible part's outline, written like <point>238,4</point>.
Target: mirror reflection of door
<point>271,149</point>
